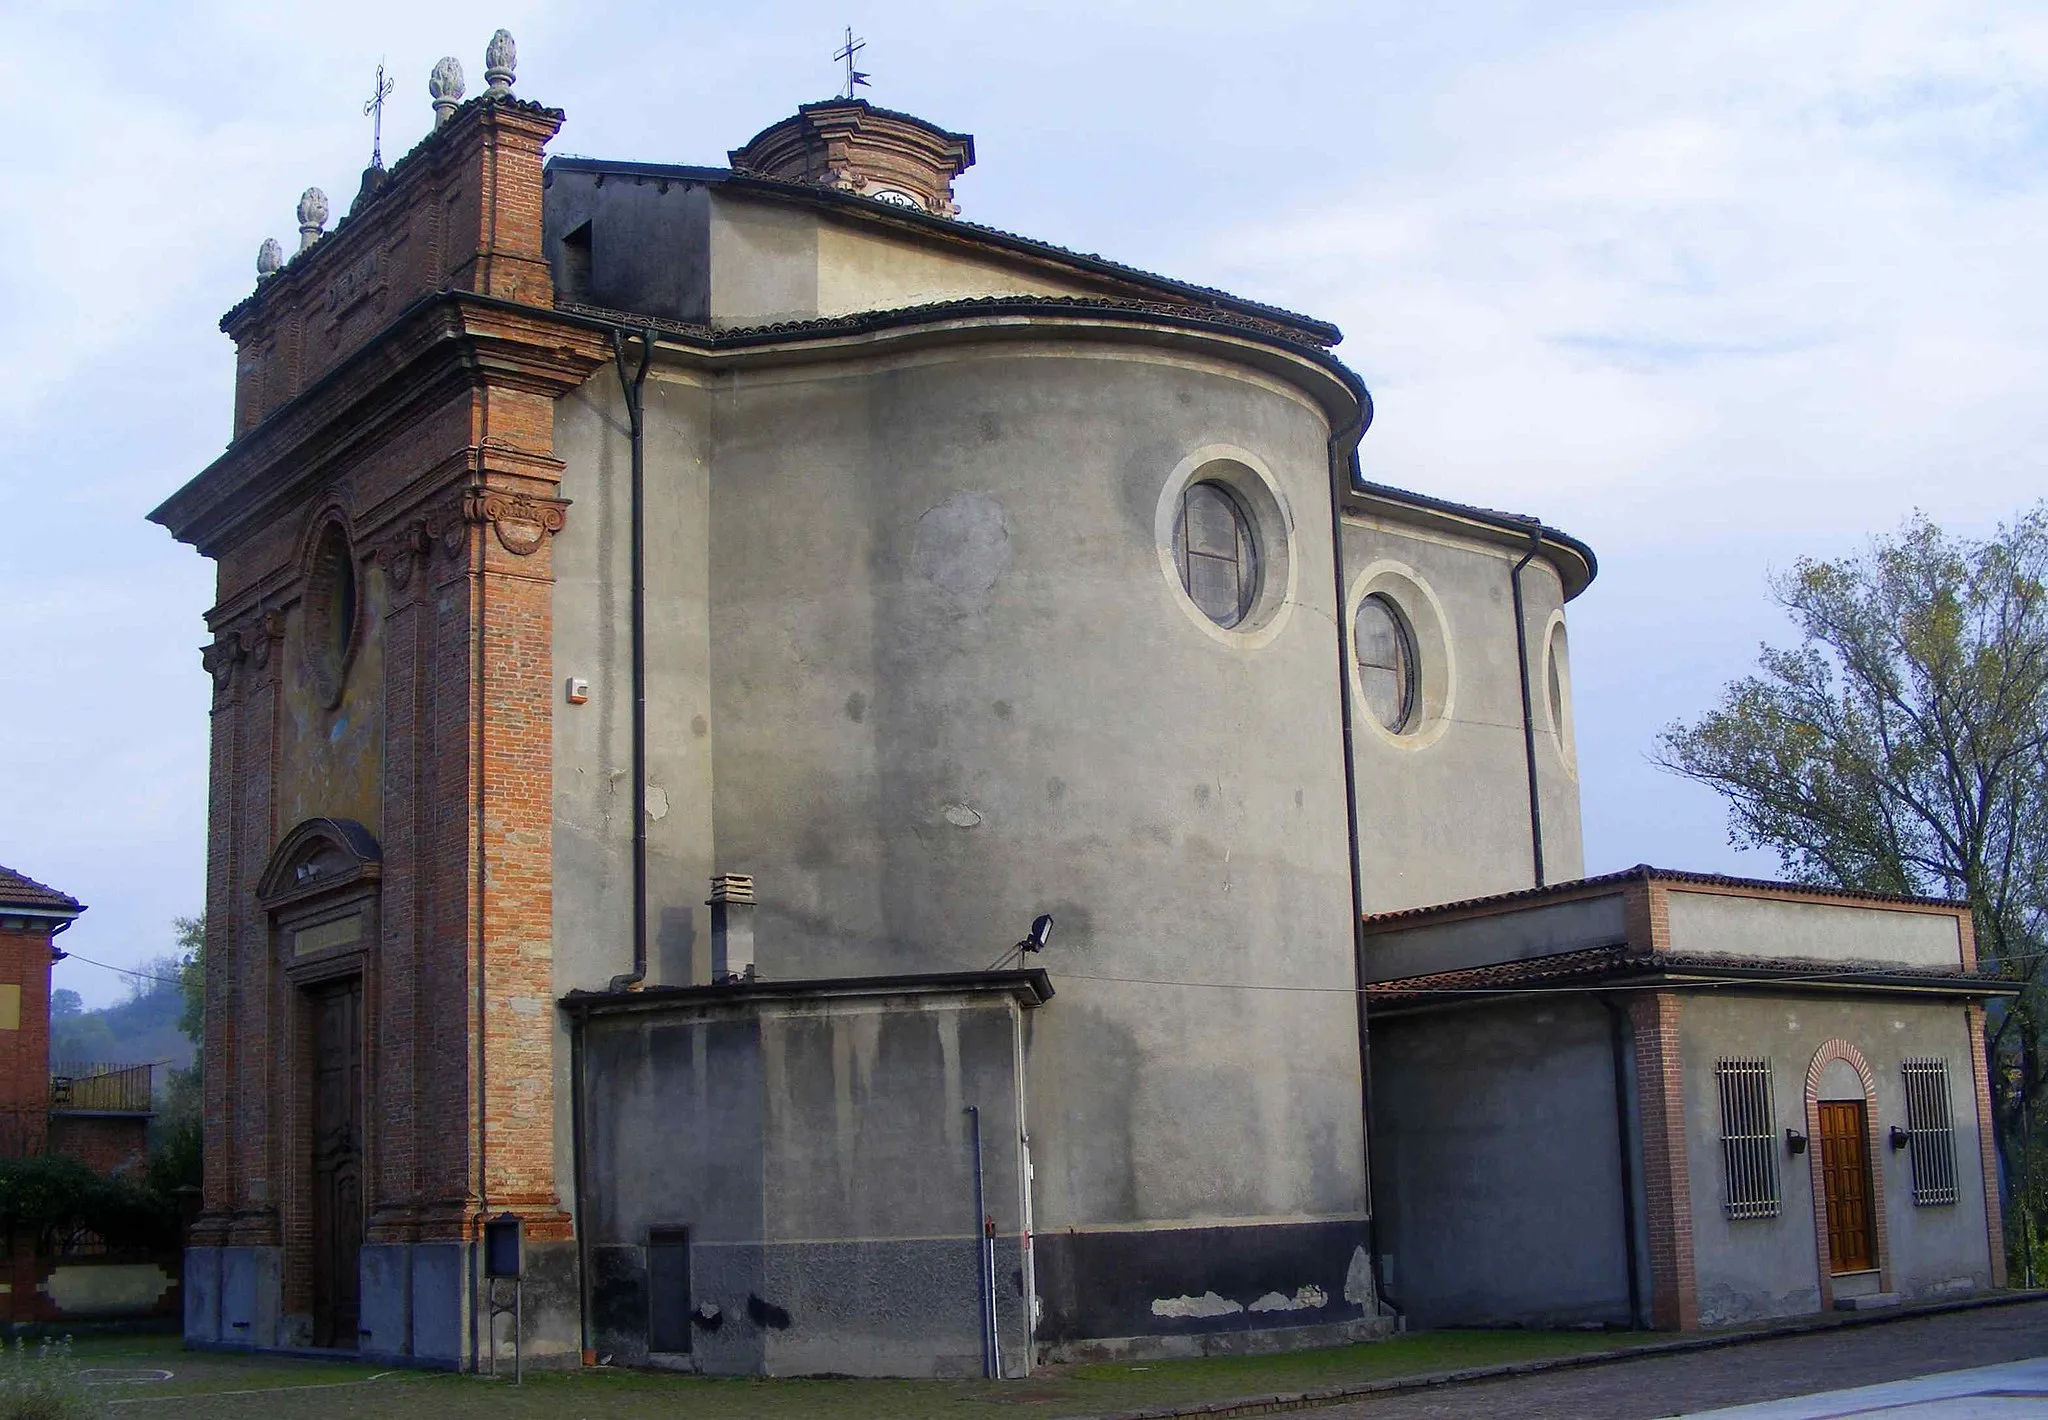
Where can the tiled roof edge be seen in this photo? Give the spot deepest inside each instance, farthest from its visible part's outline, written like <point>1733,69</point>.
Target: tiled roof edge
<point>1645,872</point>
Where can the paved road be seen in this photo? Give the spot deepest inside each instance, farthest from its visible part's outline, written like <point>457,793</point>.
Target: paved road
<point>1733,1375</point>
<point>1984,1393</point>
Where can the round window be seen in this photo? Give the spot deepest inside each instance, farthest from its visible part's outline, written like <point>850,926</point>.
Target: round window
<point>1385,648</point>
<point>1215,553</point>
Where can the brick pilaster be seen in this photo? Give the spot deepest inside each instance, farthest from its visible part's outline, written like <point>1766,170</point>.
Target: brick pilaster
<point>1987,1142</point>
<point>1667,1180</point>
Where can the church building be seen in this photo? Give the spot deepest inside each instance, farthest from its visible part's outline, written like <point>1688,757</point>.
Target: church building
<point>889,793</point>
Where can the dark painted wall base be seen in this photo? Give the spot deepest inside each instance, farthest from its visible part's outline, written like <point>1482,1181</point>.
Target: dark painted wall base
<point>1172,1282</point>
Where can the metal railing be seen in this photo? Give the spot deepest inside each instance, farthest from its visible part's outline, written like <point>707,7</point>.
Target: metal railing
<point>102,1088</point>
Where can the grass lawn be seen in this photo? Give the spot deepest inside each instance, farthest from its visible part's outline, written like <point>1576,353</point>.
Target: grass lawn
<point>211,1384</point>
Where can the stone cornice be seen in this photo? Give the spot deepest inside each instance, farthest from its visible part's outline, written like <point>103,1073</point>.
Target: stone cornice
<point>437,347</point>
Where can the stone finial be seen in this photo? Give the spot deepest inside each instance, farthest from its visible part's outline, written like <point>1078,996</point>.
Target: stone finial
<point>444,87</point>
<point>312,216</point>
<point>499,59</point>
<point>269,257</point>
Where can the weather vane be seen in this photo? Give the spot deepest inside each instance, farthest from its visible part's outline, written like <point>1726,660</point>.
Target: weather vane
<point>847,52</point>
<point>375,109</point>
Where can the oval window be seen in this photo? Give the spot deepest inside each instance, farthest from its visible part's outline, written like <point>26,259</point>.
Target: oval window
<point>1557,687</point>
<point>1385,648</point>
<point>1214,549</point>
<point>331,611</point>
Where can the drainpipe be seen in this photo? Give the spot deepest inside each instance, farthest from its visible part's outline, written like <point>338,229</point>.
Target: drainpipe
<point>577,1021</point>
<point>1528,709</point>
<point>1344,465</point>
<point>635,416</point>
<point>1624,1132</point>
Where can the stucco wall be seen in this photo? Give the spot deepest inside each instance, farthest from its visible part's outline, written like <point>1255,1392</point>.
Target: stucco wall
<point>1444,814</point>
<point>822,1159</point>
<point>1505,936</point>
<point>915,664</point>
<point>1722,924</point>
<point>1499,1167</point>
<point>1765,1267</point>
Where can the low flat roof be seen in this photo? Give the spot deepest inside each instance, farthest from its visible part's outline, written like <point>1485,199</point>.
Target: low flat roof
<point>1620,966</point>
<point>1030,985</point>
<point>1642,873</point>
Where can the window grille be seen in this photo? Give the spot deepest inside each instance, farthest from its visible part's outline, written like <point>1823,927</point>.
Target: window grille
<point>1930,1132</point>
<point>1749,1138</point>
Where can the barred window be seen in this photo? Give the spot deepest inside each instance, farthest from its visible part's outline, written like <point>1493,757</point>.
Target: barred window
<point>1749,1138</point>
<point>1930,1132</point>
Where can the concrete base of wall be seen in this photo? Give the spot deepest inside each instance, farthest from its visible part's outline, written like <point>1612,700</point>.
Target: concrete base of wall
<point>231,1296</point>
<point>415,1305</point>
<point>908,1307</point>
<point>1216,1343</point>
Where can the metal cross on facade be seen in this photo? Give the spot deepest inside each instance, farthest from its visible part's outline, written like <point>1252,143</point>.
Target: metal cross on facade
<point>375,109</point>
<point>847,52</point>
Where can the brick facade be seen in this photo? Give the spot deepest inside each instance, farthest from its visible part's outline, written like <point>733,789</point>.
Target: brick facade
<point>387,387</point>
<point>25,956</point>
<point>107,1144</point>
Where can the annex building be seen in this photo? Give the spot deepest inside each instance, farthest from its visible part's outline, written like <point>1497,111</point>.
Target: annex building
<point>678,626</point>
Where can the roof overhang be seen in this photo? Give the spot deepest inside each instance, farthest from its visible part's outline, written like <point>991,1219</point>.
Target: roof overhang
<point>1029,987</point>
<point>1574,560</point>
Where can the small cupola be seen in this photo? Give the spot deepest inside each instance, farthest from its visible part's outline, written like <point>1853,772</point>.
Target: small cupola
<point>851,145</point>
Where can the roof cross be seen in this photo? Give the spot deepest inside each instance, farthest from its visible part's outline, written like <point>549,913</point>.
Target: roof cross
<point>847,52</point>
<point>375,109</point>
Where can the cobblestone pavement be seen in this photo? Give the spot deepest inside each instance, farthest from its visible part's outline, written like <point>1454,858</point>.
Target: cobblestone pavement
<point>1732,1375</point>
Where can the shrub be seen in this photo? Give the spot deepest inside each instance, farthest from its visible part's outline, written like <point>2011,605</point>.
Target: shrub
<point>43,1384</point>
<point>59,1198</point>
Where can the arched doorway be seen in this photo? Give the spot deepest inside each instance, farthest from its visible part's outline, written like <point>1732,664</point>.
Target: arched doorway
<point>321,892</point>
<point>1848,1185</point>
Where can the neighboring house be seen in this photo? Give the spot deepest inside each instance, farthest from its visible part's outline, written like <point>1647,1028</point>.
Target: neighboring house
<point>97,1114</point>
<point>595,531</point>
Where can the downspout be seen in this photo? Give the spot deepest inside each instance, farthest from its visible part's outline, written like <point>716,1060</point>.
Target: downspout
<point>1624,1133</point>
<point>1528,708</point>
<point>1344,465</point>
<point>636,422</point>
<point>577,1021</point>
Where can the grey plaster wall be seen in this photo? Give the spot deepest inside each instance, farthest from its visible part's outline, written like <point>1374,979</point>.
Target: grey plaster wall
<point>951,686</point>
<point>1720,924</point>
<point>1508,936</point>
<point>649,241</point>
<point>1449,819</point>
<point>821,1157</point>
<point>1499,1165</point>
<point>1754,1268</point>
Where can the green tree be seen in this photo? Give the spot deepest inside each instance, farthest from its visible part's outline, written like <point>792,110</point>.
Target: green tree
<point>175,1162</point>
<point>1902,747</point>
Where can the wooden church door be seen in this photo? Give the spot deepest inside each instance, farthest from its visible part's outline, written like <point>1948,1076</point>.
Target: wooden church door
<point>337,1161</point>
<point>1845,1175</point>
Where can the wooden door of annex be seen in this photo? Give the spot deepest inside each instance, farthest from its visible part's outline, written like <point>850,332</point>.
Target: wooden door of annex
<point>337,1161</point>
<point>1845,1175</point>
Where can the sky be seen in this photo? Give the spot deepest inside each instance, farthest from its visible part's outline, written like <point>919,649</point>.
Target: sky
<point>1710,286</point>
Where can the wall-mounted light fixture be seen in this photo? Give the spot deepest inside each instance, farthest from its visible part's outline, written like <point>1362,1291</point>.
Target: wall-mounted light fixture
<point>1900,1138</point>
<point>1794,1140</point>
